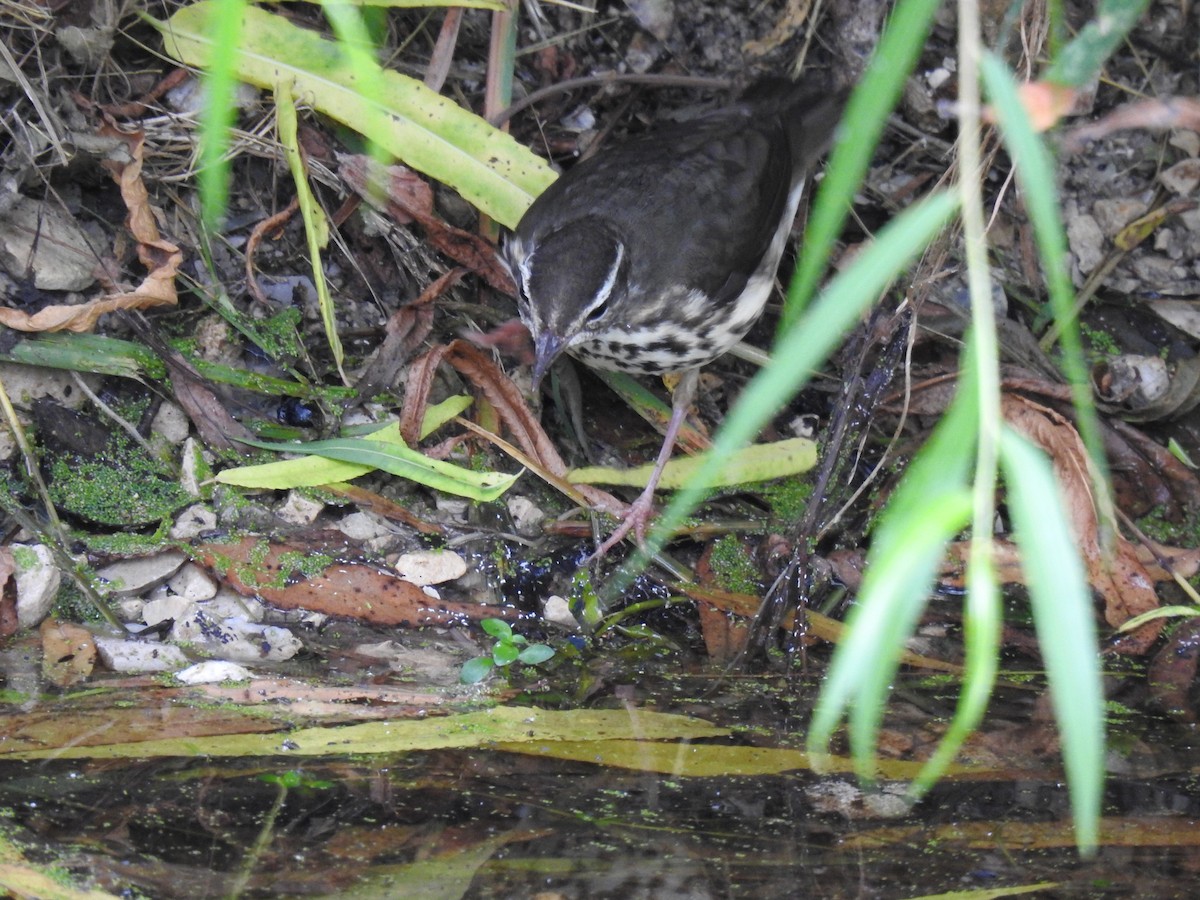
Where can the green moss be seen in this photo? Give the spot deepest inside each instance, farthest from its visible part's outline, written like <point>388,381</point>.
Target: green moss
<point>278,336</point>
<point>122,488</point>
<point>787,497</point>
<point>1101,341</point>
<point>1177,534</point>
<point>251,572</point>
<point>24,557</point>
<point>72,606</point>
<point>125,544</point>
<point>310,565</point>
<point>733,566</point>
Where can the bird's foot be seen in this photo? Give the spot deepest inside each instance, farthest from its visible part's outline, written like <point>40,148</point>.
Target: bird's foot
<point>637,519</point>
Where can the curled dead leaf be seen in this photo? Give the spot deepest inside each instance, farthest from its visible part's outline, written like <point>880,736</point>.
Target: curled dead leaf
<point>160,257</point>
<point>357,590</point>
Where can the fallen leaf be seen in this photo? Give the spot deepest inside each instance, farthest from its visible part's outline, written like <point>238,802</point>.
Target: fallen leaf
<point>68,652</point>
<point>160,257</point>
<point>258,568</point>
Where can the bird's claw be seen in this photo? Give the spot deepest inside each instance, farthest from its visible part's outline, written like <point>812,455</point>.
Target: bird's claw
<point>637,519</point>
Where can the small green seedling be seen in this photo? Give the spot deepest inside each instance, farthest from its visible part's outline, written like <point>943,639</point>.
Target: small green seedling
<point>508,649</point>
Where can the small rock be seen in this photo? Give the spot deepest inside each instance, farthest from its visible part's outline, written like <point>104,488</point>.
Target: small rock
<point>193,583</point>
<point>360,526</point>
<point>129,609</point>
<point>135,576</point>
<point>1086,240</point>
<point>213,671</point>
<point>38,580</point>
<point>1186,140</point>
<point>138,657</point>
<point>431,566</point>
<point>1113,214</point>
<point>1182,178</point>
<point>236,638</point>
<point>527,516</point>
<point>171,423</point>
<point>60,260</point>
<point>193,522</point>
<point>164,608</point>
<point>229,604</point>
<point>558,612</point>
<point>298,509</point>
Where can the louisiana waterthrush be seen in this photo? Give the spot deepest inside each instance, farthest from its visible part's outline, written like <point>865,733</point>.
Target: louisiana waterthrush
<point>657,255</point>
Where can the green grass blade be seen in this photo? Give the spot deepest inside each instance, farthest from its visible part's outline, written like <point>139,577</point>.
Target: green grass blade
<point>931,505</point>
<point>1036,176</point>
<point>219,111</point>
<point>1082,59</point>
<point>1065,623</point>
<point>316,225</point>
<point>864,121</point>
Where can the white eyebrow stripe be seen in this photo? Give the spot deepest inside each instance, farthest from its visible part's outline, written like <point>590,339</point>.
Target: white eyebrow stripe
<point>610,280</point>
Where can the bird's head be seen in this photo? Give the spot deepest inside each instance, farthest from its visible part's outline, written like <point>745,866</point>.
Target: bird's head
<point>569,281</point>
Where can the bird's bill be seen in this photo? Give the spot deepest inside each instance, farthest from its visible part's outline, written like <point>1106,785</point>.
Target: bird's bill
<point>547,347</point>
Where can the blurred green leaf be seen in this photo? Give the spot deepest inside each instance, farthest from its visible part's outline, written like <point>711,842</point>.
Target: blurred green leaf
<point>1081,60</point>
<point>1065,623</point>
<point>497,628</point>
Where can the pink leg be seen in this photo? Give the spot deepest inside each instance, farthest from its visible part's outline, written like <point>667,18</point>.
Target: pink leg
<point>642,509</point>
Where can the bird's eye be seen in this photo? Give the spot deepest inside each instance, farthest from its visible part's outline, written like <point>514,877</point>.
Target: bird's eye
<point>596,313</point>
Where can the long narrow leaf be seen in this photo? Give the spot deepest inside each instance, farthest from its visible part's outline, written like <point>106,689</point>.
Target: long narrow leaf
<point>1065,623</point>
<point>383,450</point>
<point>931,505</point>
<point>863,123</point>
<point>1035,172</point>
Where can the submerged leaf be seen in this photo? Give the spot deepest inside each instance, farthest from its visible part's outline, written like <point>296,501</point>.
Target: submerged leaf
<point>503,724</point>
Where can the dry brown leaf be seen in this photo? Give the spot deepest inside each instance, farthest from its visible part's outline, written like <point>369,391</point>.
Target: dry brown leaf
<point>794,15</point>
<point>258,568</point>
<point>395,190</point>
<point>48,728</point>
<point>68,652</point>
<point>725,635</point>
<point>418,383</point>
<point>404,332</point>
<point>369,501</point>
<point>355,703</point>
<point>1118,576</point>
<point>504,396</point>
<point>161,258</point>
<point>8,594</point>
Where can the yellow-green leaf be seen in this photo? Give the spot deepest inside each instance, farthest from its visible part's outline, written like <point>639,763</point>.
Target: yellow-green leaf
<point>506,724</point>
<point>384,449</point>
<point>759,462</point>
<point>426,131</point>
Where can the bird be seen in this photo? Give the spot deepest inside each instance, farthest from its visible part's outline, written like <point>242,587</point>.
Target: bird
<point>657,255</point>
